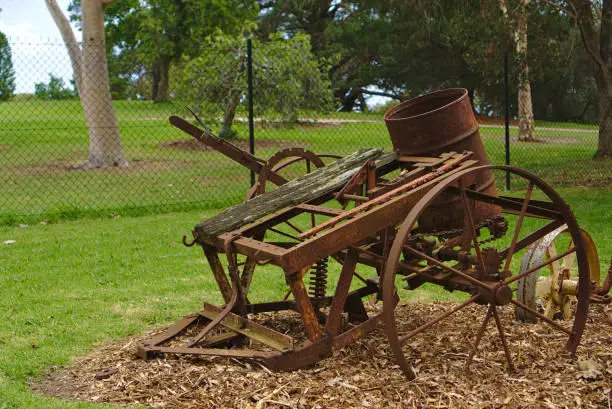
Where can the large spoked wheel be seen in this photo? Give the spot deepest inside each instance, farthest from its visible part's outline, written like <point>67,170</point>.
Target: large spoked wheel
<point>552,290</point>
<point>481,256</point>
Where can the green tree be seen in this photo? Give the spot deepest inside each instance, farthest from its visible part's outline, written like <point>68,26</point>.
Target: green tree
<point>145,38</point>
<point>594,19</point>
<point>7,73</point>
<point>287,79</point>
<point>391,48</point>
<point>55,89</point>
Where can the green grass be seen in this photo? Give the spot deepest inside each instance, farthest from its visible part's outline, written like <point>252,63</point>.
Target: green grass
<point>69,286</point>
<point>41,140</point>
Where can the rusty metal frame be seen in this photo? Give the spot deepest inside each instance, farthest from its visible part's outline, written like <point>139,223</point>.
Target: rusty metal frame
<point>375,234</point>
<point>341,240</point>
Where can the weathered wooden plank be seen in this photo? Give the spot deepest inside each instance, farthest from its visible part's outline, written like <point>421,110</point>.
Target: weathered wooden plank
<point>300,190</point>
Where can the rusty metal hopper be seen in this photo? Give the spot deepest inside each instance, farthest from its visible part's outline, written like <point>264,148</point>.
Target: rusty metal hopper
<point>434,123</point>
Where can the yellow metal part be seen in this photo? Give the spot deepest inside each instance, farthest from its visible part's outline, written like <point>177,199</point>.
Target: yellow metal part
<point>557,290</point>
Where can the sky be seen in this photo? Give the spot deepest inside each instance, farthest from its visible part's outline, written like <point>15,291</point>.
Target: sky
<point>36,44</point>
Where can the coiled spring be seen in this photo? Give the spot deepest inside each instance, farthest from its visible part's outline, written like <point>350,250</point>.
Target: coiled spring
<point>318,278</point>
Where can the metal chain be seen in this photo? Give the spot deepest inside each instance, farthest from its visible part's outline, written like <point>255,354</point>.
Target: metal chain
<point>447,234</point>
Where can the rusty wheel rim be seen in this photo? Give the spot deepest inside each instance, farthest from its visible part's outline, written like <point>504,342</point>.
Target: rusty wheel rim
<point>556,214</point>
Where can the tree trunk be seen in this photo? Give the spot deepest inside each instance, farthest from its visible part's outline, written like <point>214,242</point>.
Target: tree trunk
<point>604,146</point>
<point>155,81</point>
<point>74,51</point>
<point>604,83</point>
<point>105,148</point>
<point>161,79</point>
<point>599,47</point>
<point>90,70</point>
<point>228,117</point>
<point>525,106</point>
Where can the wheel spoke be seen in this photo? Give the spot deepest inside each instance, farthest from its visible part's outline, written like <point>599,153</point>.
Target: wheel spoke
<point>542,317</point>
<point>551,252</point>
<point>446,267</point>
<point>479,335</point>
<point>519,224</point>
<point>472,231</point>
<point>568,262</point>
<point>428,324</point>
<point>502,335</point>
<point>533,237</point>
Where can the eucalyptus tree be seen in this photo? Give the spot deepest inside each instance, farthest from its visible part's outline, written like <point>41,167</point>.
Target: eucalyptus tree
<point>147,37</point>
<point>90,68</point>
<point>517,25</point>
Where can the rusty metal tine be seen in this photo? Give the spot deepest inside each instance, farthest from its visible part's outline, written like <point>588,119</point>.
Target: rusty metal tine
<point>173,331</point>
<point>479,335</point>
<point>519,224</point>
<point>470,219</point>
<point>206,127</point>
<point>213,323</point>
<point>226,148</point>
<point>233,272</point>
<point>502,335</point>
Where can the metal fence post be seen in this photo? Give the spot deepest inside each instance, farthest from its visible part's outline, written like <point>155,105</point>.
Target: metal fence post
<point>507,119</point>
<point>250,97</point>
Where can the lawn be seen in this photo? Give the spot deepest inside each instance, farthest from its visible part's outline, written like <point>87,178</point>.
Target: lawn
<point>41,141</point>
<point>70,285</point>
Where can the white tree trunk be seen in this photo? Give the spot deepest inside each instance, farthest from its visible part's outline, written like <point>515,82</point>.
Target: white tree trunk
<point>74,51</point>
<point>91,74</point>
<point>525,106</point>
<point>105,147</point>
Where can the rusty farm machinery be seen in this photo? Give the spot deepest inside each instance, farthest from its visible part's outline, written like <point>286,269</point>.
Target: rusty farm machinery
<point>426,213</point>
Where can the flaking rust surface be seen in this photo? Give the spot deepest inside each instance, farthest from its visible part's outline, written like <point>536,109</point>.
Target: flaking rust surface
<point>364,375</point>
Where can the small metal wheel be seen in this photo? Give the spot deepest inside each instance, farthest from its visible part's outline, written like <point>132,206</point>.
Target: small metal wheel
<point>553,292</point>
<point>284,163</point>
<point>463,237</point>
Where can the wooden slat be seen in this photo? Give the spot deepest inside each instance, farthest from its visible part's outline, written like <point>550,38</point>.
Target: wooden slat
<point>300,190</point>
<point>266,336</point>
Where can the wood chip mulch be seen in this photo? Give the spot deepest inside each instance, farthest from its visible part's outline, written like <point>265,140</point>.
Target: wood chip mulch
<point>365,374</point>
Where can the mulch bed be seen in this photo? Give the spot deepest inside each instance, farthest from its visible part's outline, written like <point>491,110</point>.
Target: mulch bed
<point>365,374</point>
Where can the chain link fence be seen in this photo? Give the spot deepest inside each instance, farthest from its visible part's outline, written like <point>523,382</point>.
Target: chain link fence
<point>48,147</point>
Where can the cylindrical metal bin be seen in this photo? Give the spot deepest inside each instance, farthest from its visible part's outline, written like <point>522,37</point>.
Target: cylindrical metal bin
<point>434,123</point>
